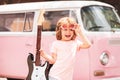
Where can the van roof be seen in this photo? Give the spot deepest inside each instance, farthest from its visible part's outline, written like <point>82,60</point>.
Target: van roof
<point>48,5</point>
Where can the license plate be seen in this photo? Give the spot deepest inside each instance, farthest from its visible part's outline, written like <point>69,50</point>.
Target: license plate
<point>112,79</point>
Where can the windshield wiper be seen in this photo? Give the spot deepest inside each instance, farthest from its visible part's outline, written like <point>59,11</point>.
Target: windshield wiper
<point>115,22</point>
<point>95,28</point>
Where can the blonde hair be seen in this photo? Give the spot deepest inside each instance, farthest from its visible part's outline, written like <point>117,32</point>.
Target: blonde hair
<point>62,21</point>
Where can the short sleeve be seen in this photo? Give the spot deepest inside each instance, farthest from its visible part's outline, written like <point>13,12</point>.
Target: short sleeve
<point>53,48</point>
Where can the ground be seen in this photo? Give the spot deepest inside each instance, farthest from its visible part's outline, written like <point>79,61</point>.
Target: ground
<point>3,79</point>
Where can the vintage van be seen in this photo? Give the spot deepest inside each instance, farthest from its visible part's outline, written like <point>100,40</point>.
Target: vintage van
<point>99,21</point>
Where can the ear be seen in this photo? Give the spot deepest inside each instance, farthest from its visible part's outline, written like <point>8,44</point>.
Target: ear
<point>41,17</point>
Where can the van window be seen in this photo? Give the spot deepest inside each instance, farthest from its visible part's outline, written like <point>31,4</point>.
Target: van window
<point>51,18</point>
<point>16,22</point>
<point>100,18</point>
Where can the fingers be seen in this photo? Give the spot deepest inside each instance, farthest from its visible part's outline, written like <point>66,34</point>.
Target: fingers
<point>78,30</point>
<point>41,52</point>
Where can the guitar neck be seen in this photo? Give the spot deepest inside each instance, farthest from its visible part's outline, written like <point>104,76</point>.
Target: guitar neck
<point>38,46</point>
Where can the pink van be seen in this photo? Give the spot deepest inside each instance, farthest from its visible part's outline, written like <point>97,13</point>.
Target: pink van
<point>99,21</point>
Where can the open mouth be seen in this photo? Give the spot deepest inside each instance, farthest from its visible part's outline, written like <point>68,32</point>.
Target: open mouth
<point>67,36</point>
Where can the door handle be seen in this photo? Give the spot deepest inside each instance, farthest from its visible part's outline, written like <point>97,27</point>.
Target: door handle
<point>28,44</point>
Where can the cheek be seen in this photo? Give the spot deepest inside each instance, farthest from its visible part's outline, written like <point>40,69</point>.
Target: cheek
<point>72,32</point>
<point>63,32</point>
<point>73,35</point>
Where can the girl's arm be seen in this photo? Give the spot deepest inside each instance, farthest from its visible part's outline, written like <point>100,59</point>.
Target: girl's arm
<point>50,58</point>
<point>84,39</point>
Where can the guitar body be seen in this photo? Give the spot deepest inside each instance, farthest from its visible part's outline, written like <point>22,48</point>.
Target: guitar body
<point>30,59</point>
<point>37,72</point>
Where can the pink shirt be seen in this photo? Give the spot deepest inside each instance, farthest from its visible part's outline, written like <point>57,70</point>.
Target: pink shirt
<point>66,51</point>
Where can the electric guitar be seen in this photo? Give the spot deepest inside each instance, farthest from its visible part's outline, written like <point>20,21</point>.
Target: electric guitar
<point>36,70</point>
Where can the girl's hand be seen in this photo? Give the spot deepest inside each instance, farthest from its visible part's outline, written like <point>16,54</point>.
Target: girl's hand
<point>42,53</point>
<point>78,30</point>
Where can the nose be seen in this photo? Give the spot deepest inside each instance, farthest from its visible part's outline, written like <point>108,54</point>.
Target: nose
<point>68,30</point>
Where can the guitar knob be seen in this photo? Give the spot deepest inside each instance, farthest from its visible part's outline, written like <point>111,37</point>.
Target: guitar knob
<point>36,75</point>
<point>36,68</point>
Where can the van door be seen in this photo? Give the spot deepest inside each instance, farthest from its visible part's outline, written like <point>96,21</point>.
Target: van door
<point>16,41</point>
<point>103,27</point>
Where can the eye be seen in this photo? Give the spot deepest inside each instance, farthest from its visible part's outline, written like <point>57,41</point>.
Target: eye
<point>71,30</point>
<point>64,26</point>
<point>72,26</point>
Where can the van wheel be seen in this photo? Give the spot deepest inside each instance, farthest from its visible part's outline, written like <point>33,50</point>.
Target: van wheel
<point>14,79</point>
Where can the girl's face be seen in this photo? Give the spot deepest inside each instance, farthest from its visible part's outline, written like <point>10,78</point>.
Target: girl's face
<point>67,32</point>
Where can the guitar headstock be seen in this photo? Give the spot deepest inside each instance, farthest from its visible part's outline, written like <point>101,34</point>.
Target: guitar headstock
<point>41,17</point>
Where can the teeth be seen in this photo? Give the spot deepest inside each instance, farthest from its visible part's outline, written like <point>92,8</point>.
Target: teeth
<point>67,35</point>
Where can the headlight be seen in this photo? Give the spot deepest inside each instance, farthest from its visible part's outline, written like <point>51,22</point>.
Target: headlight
<point>104,58</point>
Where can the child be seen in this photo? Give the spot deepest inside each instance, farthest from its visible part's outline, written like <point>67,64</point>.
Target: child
<point>64,49</point>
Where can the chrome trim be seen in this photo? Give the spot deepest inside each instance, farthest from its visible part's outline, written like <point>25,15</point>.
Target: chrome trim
<point>104,58</point>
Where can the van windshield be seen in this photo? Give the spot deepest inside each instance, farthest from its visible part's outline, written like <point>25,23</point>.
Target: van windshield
<point>100,18</point>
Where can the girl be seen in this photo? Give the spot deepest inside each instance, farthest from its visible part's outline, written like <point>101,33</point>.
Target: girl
<point>64,49</point>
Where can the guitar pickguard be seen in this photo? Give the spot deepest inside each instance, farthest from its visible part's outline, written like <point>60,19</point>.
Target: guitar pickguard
<point>39,72</point>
